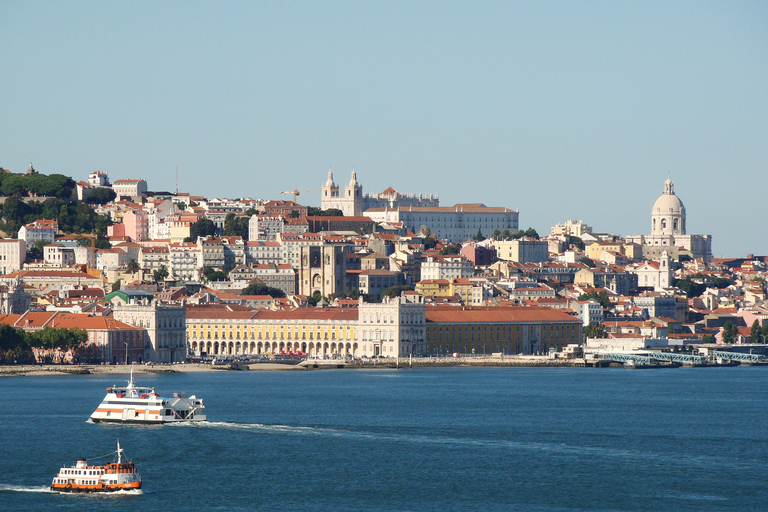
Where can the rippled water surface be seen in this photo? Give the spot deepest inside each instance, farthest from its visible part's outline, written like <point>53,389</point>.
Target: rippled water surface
<point>408,440</point>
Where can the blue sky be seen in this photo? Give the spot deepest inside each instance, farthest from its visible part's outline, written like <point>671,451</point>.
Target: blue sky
<point>563,110</point>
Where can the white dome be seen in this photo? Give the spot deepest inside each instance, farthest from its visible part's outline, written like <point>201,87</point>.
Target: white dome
<point>668,204</point>
<point>668,214</point>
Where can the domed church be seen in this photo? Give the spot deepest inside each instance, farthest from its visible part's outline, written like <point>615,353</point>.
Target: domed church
<point>668,231</point>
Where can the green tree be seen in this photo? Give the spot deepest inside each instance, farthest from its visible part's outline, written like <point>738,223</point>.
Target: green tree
<point>449,249</point>
<point>102,243</point>
<point>36,253</point>
<point>13,185</point>
<point>587,261</point>
<point>133,265</point>
<point>479,236</point>
<point>211,274</point>
<point>201,228</point>
<point>496,234</point>
<point>730,331</point>
<point>13,344</point>
<point>506,234</point>
<point>576,242</point>
<point>429,242</point>
<point>236,226</point>
<point>531,233</point>
<point>755,332</point>
<point>314,298</point>
<point>160,274</point>
<point>262,289</point>
<point>395,291</point>
<point>594,330</point>
<point>690,287</point>
<point>101,195</point>
<point>294,214</point>
<point>117,285</point>
<point>602,298</point>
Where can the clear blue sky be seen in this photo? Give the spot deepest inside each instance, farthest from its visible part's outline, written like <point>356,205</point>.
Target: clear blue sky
<point>564,110</point>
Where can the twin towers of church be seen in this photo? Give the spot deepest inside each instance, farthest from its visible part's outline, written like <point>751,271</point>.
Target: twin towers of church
<point>353,203</point>
<point>350,202</point>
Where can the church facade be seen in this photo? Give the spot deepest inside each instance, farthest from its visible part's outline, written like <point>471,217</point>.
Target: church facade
<point>668,231</point>
<point>353,203</point>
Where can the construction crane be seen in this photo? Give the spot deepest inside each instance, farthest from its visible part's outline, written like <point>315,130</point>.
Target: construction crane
<point>296,193</point>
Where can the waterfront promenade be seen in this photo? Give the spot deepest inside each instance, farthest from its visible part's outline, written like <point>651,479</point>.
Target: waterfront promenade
<point>421,362</point>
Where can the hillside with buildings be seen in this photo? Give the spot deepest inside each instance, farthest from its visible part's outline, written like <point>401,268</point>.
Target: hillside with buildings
<point>161,276</point>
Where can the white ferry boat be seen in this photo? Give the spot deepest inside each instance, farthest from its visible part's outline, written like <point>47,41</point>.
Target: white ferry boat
<point>134,404</point>
<point>115,476</point>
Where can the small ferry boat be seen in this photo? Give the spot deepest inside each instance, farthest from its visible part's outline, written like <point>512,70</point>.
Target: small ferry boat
<point>134,404</point>
<point>115,476</point>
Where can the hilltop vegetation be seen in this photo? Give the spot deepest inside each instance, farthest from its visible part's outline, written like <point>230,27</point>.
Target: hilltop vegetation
<point>31,185</point>
<point>58,205</point>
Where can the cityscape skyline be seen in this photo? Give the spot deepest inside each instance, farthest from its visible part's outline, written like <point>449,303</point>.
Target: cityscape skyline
<point>560,111</point>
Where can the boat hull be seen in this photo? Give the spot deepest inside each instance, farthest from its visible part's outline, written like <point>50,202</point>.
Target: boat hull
<point>132,486</point>
<point>201,419</point>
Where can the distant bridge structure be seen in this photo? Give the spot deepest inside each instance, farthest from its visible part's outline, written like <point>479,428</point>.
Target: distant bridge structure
<point>738,356</point>
<point>650,357</point>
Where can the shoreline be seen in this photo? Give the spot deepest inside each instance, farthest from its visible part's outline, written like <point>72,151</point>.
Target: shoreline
<point>31,370</point>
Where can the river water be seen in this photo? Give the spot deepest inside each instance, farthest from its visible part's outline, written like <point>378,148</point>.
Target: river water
<point>447,439</point>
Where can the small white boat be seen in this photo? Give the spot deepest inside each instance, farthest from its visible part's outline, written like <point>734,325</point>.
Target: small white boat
<point>112,477</point>
<point>135,404</point>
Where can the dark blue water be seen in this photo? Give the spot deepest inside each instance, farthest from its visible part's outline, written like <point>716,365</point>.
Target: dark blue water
<point>409,440</point>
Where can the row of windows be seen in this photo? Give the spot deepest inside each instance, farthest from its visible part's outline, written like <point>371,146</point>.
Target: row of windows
<point>83,472</point>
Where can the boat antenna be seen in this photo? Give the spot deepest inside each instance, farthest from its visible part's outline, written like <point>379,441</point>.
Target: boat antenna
<point>119,452</point>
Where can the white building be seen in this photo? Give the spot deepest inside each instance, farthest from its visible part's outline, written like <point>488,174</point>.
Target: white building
<point>165,324</point>
<point>276,276</point>
<point>110,259</point>
<point>13,253</point>
<point>59,254</point>
<point>393,328</point>
<point>590,312</point>
<point>263,252</point>
<point>668,231</point>
<point>40,230</point>
<point>130,188</point>
<point>452,223</point>
<point>653,274</point>
<point>571,228</point>
<point>184,260</point>
<point>353,203</point>
<point>265,227</point>
<point>522,251</point>
<point>446,267</point>
<point>98,179</point>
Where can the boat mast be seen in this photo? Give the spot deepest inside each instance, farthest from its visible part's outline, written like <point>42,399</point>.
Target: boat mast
<point>119,452</point>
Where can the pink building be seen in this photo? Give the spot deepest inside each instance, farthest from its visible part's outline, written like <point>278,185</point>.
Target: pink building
<point>136,225</point>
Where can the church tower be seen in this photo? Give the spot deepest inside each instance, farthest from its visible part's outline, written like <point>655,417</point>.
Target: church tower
<point>329,193</point>
<point>668,214</point>
<point>353,197</point>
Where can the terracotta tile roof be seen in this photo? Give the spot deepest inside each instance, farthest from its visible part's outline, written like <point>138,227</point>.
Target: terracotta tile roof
<point>451,314</point>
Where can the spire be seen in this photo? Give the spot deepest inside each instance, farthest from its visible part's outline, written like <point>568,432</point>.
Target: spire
<point>353,181</point>
<point>669,186</point>
<point>329,182</point>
